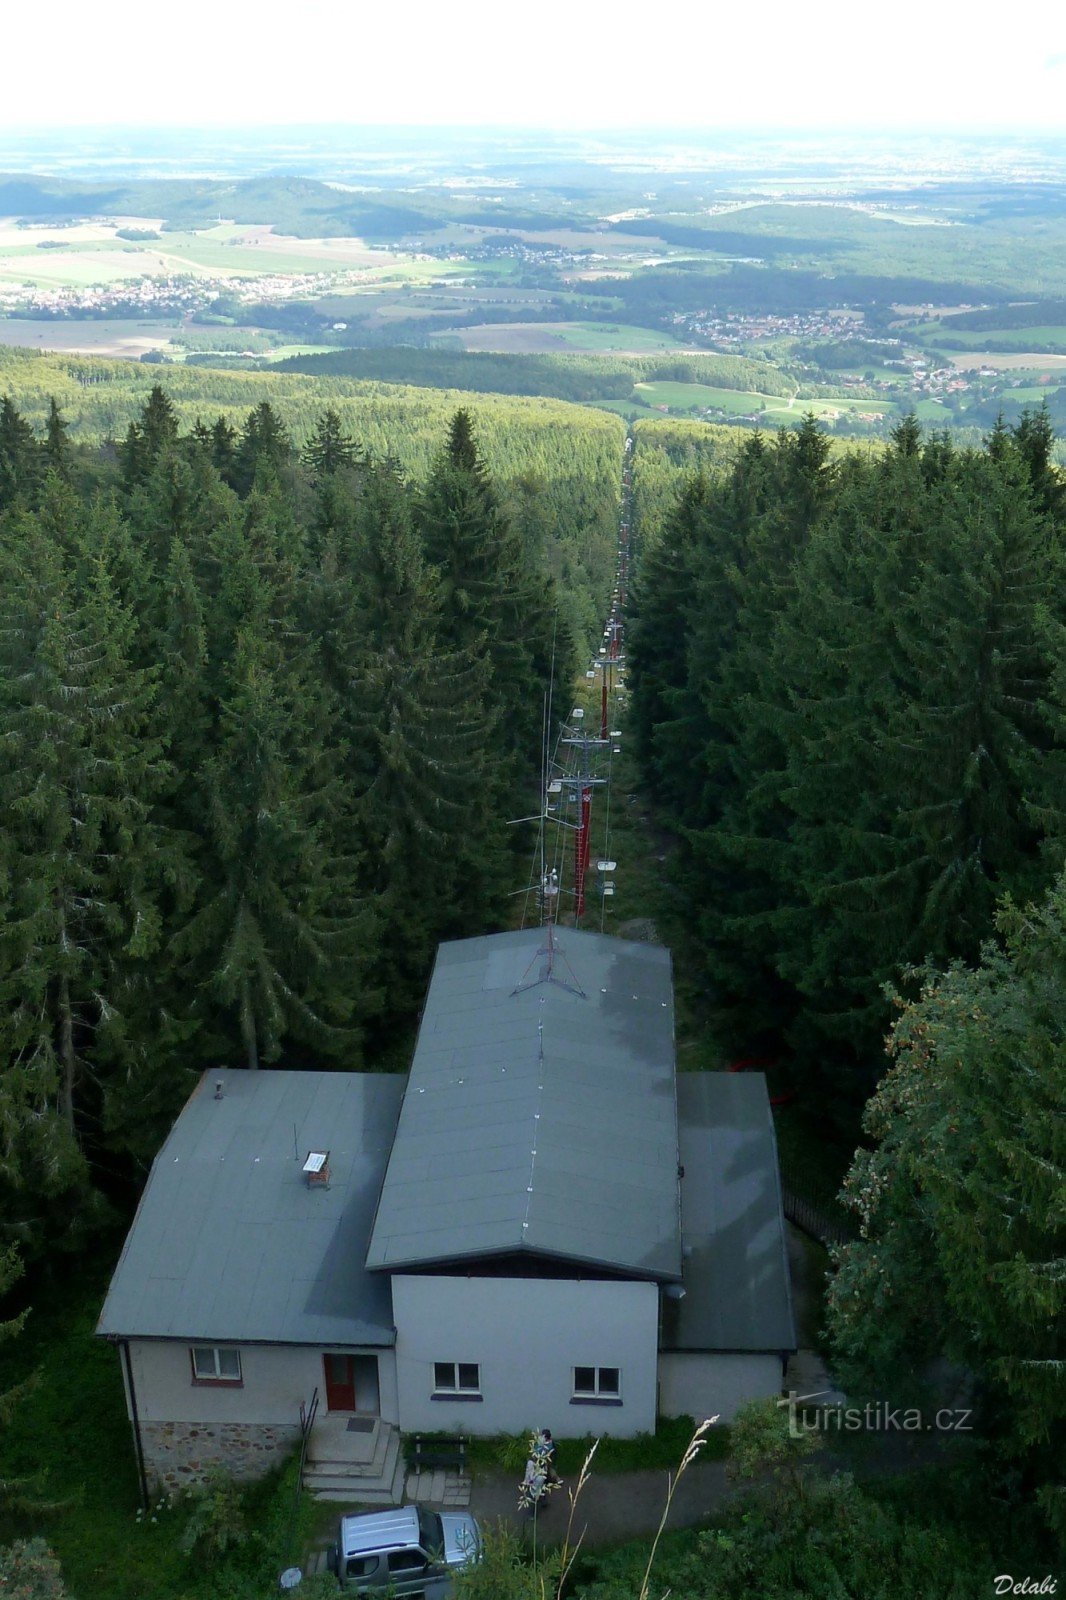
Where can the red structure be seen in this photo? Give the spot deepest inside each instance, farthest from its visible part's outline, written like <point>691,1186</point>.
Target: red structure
<point>581,853</point>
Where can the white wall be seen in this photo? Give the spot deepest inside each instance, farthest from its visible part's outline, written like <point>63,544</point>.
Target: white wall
<point>527,1335</point>
<point>276,1379</point>
<point>699,1385</point>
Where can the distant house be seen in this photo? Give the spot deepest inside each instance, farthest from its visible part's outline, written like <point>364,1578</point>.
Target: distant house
<point>542,1225</point>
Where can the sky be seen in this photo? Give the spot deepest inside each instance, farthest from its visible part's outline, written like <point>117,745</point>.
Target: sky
<point>556,63</point>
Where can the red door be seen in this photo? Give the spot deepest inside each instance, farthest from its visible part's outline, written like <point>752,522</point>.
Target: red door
<point>340,1382</point>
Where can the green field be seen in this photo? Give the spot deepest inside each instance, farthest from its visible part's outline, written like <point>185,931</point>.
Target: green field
<point>1049,336</point>
<point>615,336</point>
<point>535,338</point>
<point>742,402</point>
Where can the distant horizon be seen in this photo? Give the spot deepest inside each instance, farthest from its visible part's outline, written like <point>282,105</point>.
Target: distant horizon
<point>403,156</point>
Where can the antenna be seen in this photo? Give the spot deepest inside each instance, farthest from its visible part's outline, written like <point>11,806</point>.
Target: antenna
<point>570,775</point>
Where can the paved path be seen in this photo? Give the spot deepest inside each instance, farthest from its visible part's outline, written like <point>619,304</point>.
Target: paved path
<point>612,1508</point>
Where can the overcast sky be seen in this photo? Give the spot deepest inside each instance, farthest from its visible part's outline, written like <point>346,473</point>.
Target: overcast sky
<point>562,63</point>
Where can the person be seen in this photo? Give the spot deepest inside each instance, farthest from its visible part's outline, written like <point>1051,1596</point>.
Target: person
<point>547,1454</point>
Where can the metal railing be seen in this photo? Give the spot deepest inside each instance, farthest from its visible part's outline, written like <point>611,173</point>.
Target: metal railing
<point>811,1219</point>
<point>307,1422</point>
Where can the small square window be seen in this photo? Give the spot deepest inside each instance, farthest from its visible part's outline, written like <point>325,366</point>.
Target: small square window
<point>456,1377</point>
<point>215,1364</point>
<point>603,1384</point>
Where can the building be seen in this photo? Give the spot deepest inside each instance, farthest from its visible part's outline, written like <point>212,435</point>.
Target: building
<point>542,1225</point>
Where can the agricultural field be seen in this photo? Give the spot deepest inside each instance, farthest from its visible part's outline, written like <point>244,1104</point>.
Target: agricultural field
<point>1001,361</point>
<point>127,337</point>
<point>686,397</point>
<point>524,338</point>
<point>812,294</point>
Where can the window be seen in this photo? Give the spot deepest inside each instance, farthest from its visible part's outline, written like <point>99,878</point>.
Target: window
<point>362,1566</point>
<point>602,1385</point>
<point>212,1363</point>
<point>456,1380</point>
<point>407,1561</point>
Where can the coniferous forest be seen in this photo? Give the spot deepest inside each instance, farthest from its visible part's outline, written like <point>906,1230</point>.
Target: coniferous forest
<point>265,717</point>
<point>858,729</point>
<point>848,702</point>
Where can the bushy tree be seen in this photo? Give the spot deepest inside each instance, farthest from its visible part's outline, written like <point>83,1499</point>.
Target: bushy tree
<point>962,1197</point>
<point>30,1571</point>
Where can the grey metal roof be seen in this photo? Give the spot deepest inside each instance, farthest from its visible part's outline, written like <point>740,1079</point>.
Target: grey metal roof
<point>736,1277</point>
<point>539,1113</point>
<point>230,1243</point>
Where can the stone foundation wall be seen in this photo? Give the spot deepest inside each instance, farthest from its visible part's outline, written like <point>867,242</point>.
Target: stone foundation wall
<point>178,1455</point>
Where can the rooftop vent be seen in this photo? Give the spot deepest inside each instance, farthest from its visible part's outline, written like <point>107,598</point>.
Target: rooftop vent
<point>316,1169</point>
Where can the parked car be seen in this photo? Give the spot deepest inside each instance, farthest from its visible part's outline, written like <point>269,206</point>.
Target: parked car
<point>411,1552</point>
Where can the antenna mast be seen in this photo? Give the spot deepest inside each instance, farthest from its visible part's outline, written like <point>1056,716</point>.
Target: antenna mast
<point>570,776</point>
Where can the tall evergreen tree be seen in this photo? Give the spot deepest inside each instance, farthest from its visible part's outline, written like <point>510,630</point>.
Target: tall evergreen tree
<point>425,760</point>
<point>329,450</point>
<point>57,441</point>
<point>20,465</point>
<point>82,858</point>
<point>264,450</point>
<point>493,602</point>
<point>271,946</point>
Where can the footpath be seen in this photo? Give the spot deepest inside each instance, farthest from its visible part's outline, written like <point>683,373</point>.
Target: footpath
<point>611,1509</point>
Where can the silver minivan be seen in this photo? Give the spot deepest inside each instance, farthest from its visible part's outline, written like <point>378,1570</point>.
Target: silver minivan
<point>410,1552</point>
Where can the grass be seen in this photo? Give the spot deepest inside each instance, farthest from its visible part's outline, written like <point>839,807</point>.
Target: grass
<point>1009,339</point>
<point>662,1449</point>
<point>614,336</point>
<point>72,1429</point>
<point>745,402</point>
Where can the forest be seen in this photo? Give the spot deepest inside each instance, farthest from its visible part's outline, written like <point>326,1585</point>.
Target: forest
<point>267,713</point>
<point>859,727</point>
<point>848,704</point>
<point>273,659</point>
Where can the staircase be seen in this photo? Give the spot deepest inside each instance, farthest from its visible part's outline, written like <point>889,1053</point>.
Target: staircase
<point>359,1467</point>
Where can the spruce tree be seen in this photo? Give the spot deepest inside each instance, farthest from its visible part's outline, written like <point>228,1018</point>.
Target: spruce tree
<point>424,758</point>
<point>20,464</point>
<point>264,450</point>
<point>57,441</point>
<point>83,860</point>
<point>493,602</point>
<point>329,450</point>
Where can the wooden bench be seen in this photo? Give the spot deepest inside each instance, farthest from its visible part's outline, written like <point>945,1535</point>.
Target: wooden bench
<point>429,1454</point>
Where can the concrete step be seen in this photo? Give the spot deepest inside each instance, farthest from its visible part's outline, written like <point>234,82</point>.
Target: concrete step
<point>326,1455</point>
<point>335,1482</point>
